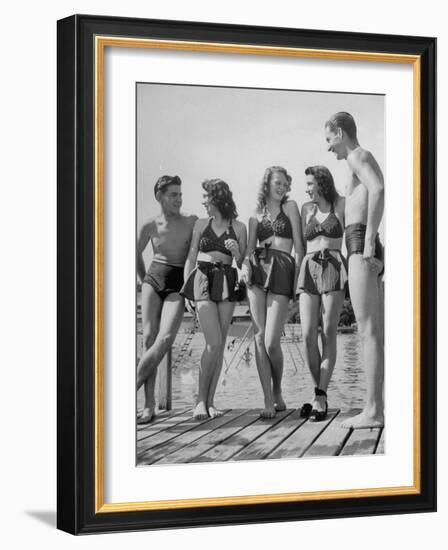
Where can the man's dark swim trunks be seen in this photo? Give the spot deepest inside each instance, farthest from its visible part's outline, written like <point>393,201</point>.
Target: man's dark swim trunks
<point>164,278</point>
<point>355,236</point>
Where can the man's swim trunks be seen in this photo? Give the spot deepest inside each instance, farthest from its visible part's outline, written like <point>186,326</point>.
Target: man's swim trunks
<point>355,236</point>
<point>164,278</point>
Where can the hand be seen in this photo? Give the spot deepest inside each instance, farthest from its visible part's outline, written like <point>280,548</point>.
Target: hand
<point>369,250</point>
<point>232,245</point>
<point>190,306</point>
<point>296,281</point>
<point>246,274</point>
<point>369,256</point>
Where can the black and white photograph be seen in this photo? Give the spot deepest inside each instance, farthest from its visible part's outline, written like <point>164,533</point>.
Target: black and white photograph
<point>260,269</point>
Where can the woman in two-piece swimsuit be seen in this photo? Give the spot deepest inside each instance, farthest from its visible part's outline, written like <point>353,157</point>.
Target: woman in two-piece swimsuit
<point>322,282</point>
<point>212,283</point>
<point>270,272</point>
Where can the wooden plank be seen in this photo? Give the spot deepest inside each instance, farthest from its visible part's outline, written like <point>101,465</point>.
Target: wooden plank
<point>154,454</point>
<point>151,429</point>
<point>380,447</point>
<point>331,441</point>
<point>166,435</point>
<point>299,441</point>
<point>270,440</point>
<point>216,437</point>
<point>161,416</point>
<point>164,376</point>
<point>234,444</point>
<point>362,441</point>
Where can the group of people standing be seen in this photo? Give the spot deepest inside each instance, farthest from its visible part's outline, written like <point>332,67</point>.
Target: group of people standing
<point>194,263</point>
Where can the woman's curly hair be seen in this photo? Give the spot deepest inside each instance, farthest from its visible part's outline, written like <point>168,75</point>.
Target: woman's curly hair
<point>325,182</point>
<point>219,195</point>
<point>263,192</point>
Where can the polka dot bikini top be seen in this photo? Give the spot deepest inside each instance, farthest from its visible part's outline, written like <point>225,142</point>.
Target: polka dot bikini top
<point>281,226</point>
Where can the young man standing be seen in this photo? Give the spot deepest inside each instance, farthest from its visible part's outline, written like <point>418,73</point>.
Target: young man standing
<point>162,306</point>
<point>364,206</point>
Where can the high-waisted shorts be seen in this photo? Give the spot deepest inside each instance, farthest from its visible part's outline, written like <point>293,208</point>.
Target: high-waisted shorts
<point>355,236</point>
<point>164,278</point>
<point>212,281</point>
<point>323,271</point>
<point>273,271</point>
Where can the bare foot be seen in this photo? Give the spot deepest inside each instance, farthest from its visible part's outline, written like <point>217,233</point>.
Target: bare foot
<point>147,416</point>
<point>364,420</point>
<point>200,411</point>
<point>279,404</point>
<point>268,412</point>
<point>214,412</point>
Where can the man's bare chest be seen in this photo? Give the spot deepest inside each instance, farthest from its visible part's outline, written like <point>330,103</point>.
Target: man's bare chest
<point>355,191</point>
<point>172,236</point>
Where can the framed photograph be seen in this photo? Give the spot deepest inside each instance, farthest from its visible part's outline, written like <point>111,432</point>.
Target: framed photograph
<point>246,274</point>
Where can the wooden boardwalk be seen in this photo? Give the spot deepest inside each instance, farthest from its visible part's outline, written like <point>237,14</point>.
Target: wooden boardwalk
<point>240,434</point>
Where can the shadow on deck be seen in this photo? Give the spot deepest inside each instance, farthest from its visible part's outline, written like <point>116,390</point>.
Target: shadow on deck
<point>240,434</point>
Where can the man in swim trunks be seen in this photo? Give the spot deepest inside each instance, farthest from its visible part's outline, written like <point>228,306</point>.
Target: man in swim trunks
<point>162,306</point>
<point>364,206</point>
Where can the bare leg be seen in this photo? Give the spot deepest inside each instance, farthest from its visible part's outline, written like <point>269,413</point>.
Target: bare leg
<point>367,308</point>
<point>277,310</point>
<point>257,302</point>
<point>225,312</point>
<point>381,304</point>
<point>331,310</point>
<point>151,311</point>
<point>209,320</point>
<point>309,319</point>
<point>170,319</point>
<point>381,301</point>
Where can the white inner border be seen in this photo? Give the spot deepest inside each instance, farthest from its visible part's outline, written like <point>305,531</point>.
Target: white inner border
<point>123,481</point>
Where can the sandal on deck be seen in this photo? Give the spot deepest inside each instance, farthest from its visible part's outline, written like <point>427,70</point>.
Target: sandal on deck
<point>305,411</point>
<point>315,415</point>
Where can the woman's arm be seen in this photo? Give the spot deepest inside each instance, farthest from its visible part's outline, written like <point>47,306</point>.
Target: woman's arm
<point>252,239</point>
<point>242,244</point>
<point>237,247</point>
<point>251,245</point>
<point>292,212</point>
<point>303,217</point>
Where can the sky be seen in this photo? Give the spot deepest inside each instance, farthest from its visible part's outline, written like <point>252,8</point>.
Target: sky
<point>201,132</point>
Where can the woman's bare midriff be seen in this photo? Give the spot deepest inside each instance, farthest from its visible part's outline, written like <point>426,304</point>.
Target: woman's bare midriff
<point>278,243</point>
<point>321,242</point>
<point>214,257</point>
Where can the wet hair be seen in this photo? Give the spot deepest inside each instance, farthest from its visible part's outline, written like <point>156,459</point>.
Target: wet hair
<point>221,197</point>
<point>324,181</point>
<point>164,181</point>
<point>345,122</point>
<point>263,192</point>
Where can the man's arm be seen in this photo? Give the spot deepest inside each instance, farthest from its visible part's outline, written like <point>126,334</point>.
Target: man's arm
<point>142,241</point>
<point>194,248</point>
<point>369,174</point>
